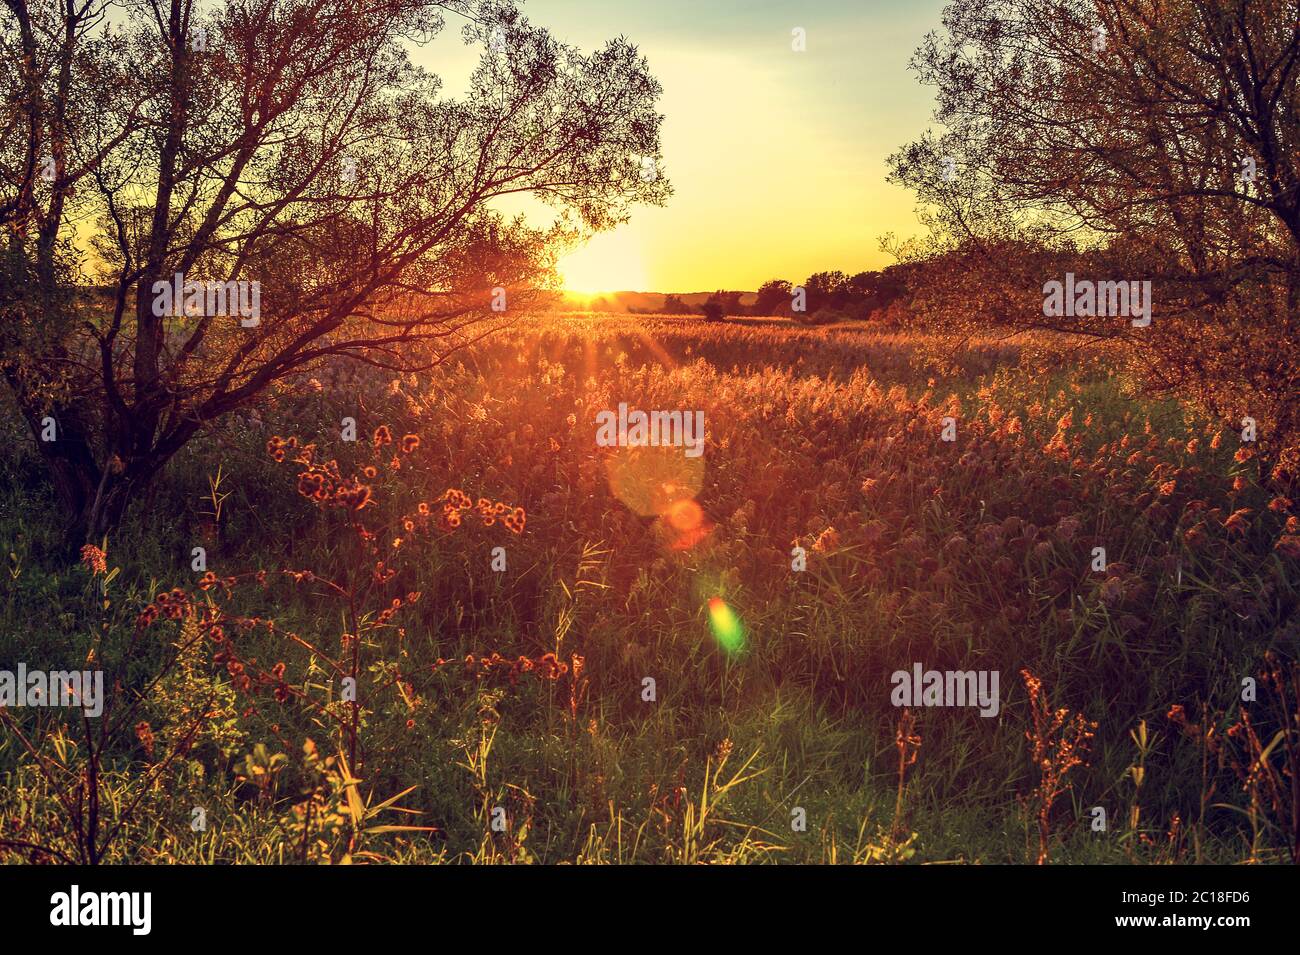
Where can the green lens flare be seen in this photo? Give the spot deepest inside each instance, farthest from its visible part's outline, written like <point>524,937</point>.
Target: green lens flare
<point>726,626</point>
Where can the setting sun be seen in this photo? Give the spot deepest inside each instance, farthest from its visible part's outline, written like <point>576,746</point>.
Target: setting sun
<point>610,262</point>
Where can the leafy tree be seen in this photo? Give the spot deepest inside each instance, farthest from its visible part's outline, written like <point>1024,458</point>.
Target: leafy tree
<point>721,304</point>
<point>673,305</point>
<point>291,144</point>
<point>771,295</point>
<point>825,290</point>
<point>1127,140</point>
<point>868,292</point>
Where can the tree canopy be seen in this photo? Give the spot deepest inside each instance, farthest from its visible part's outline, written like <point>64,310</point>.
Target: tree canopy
<point>292,146</point>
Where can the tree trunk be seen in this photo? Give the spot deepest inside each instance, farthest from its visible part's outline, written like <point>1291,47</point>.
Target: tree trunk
<point>69,458</point>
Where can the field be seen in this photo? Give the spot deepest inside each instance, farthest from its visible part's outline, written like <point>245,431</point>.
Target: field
<point>670,658</point>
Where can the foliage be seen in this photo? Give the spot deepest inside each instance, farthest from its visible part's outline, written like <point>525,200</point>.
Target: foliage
<point>521,690</point>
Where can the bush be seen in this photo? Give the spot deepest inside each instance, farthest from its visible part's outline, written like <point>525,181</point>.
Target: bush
<point>712,310</point>
<point>823,316</point>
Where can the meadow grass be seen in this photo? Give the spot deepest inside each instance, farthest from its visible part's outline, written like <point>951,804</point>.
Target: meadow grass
<point>967,554</point>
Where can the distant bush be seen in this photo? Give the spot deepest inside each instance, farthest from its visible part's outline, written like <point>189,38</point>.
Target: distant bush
<point>823,316</point>
<point>674,305</point>
<point>720,304</point>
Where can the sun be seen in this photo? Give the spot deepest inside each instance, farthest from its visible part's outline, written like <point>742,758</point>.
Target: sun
<point>609,262</point>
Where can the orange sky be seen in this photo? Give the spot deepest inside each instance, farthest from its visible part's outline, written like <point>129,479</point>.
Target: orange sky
<point>777,158</point>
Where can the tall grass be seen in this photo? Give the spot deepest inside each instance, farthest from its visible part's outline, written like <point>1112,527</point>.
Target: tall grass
<point>970,554</point>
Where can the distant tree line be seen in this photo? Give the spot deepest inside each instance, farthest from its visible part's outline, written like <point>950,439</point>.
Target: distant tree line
<point>822,298</point>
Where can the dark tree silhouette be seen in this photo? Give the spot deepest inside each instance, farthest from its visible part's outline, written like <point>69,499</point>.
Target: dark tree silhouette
<point>674,305</point>
<point>721,304</point>
<point>291,144</point>
<point>771,296</point>
<point>1132,139</point>
<point>825,290</point>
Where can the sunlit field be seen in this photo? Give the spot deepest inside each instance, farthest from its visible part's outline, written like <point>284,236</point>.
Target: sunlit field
<point>563,652</point>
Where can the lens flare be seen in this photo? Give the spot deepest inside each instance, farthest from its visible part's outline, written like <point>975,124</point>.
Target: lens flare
<point>652,480</point>
<point>726,626</point>
<point>685,515</point>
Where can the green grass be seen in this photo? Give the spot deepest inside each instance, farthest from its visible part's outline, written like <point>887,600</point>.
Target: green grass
<point>711,770</point>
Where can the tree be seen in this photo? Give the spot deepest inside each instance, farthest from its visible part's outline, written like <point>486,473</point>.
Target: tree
<point>1137,141</point>
<point>291,152</point>
<point>868,292</point>
<point>674,305</point>
<point>771,295</point>
<point>825,290</point>
<point>721,304</point>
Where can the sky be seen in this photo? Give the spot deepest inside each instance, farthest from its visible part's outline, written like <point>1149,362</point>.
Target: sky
<point>776,157</point>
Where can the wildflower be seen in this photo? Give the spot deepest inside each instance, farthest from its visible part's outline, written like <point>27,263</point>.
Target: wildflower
<point>144,733</point>
<point>827,540</point>
<point>94,559</point>
<point>456,499</point>
<point>1236,522</point>
<point>515,520</point>
<point>357,497</point>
